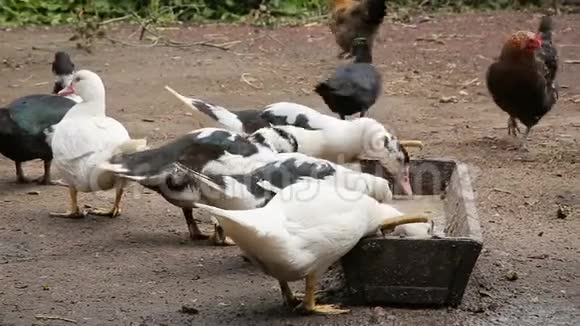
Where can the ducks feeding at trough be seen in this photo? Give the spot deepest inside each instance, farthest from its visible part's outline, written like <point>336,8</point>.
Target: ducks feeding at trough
<point>303,230</point>
<point>322,136</point>
<point>249,173</point>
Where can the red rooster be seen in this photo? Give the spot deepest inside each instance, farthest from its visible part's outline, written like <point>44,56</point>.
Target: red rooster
<point>350,19</point>
<point>522,80</point>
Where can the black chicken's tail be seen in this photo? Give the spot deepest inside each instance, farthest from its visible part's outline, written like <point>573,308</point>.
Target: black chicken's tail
<point>549,53</point>
<point>546,27</point>
<point>323,90</point>
<point>376,11</point>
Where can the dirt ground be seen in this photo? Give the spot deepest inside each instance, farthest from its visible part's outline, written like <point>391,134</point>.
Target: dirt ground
<point>140,269</point>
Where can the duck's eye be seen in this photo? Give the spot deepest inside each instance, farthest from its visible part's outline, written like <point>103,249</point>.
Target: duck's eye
<point>78,79</point>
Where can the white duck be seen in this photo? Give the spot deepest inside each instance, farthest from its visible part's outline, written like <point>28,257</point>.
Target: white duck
<point>85,138</point>
<point>303,230</point>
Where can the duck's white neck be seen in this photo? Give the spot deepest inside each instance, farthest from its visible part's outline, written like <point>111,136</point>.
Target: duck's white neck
<point>93,108</point>
<point>379,214</point>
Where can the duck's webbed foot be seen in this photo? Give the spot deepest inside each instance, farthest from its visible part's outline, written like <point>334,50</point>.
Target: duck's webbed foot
<point>195,233</point>
<point>75,211</point>
<point>219,237</point>
<point>72,215</point>
<point>113,212</point>
<point>309,305</point>
<point>20,178</point>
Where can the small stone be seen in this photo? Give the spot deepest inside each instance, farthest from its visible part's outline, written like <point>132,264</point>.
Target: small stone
<point>512,276</point>
<point>541,233</point>
<point>34,193</point>
<point>563,211</point>
<point>448,99</point>
<point>147,120</point>
<point>379,311</point>
<point>188,309</point>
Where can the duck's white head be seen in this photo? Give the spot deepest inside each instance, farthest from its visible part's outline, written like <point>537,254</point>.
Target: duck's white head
<point>381,145</point>
<point>87,85</point>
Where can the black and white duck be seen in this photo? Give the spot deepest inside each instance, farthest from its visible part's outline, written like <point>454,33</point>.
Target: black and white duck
<point>23,122</point>
<point>240,121</point>
<point>322,136</point>
<point>249,172</point>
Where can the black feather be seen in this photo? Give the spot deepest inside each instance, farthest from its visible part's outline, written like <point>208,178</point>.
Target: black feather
<point>251,120</point>
<point>548,52</point>
<point>280,174</point>
<point>62,64</point>
<point>354,87</point>
<point>376,11</point>
<point>62,67</point>
<point>22,125</point>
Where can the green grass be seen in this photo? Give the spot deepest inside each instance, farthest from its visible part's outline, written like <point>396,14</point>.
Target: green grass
<point>55,12</point>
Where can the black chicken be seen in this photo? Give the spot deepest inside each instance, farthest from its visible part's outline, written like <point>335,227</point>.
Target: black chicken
<point>354,87</point>
<point>522,80</point>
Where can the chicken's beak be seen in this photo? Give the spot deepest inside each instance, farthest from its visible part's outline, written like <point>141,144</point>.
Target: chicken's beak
<point>67,91</point>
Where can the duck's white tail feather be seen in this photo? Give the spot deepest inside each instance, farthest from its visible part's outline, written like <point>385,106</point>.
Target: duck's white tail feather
<point>235,221</point>
<point>266,185</point>
<point>180,97</point>
<point>215,112</point>
<point>131,146</point>
<point>114,167</point>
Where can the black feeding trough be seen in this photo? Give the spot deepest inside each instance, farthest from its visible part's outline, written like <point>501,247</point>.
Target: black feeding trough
<point>429,271</point>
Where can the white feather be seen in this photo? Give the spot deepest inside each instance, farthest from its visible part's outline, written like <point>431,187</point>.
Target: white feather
<point>85,138</point>
<point>224,116</point>
<point>341,140</point>
<point>304,229</point>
